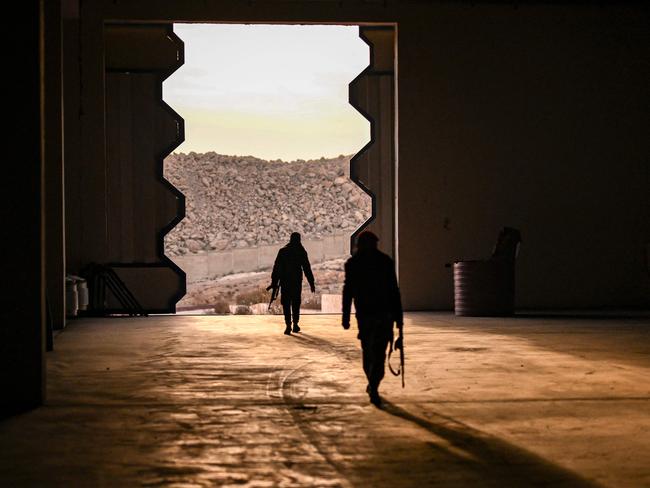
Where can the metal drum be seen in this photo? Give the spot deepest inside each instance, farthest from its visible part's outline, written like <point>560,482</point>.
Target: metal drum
<point>82,293</point>
<point>71,297</point>
<point>484,288</point>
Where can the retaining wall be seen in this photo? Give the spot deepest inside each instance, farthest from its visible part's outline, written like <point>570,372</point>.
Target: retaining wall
<point>200,267</point>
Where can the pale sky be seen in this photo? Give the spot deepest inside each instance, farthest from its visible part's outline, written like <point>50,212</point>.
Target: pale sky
<point>270,91</point>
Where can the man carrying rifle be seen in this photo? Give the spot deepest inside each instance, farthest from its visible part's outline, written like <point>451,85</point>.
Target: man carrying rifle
<point>291,262</point>
<point>371,282</point>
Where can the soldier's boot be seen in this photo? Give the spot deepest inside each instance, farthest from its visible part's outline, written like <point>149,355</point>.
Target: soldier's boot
<point>287,331</point>
<point>296,328</point>
<point>373,393</point>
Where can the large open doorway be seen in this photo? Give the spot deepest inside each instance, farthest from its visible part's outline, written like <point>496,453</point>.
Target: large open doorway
<point>142,205</point>
<point>269,138</point>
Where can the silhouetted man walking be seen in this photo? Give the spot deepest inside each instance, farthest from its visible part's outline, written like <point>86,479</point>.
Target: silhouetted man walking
<point>291,262</point>
<point>371,282</point>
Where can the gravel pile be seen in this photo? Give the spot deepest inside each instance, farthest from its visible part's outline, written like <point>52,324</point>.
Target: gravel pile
<point>243,201</point>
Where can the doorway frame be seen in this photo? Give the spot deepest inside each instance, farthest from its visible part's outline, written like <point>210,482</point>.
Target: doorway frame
<point>96,13</point>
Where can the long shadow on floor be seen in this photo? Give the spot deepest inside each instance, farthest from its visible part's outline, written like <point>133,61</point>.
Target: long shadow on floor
<point>487,460</point>
<point>461,456</point>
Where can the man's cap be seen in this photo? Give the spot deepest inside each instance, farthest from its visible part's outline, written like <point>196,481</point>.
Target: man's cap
<point>367,239</point>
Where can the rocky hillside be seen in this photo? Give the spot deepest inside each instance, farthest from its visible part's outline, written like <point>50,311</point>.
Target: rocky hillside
<point>242,201</point>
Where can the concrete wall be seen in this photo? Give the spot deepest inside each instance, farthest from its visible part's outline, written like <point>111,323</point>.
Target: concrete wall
<point>533,117</point>
<point>528,115</point>
<point>199,267</point>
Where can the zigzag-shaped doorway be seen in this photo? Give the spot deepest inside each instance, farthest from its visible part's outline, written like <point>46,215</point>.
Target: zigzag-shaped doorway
<point>271,148</point>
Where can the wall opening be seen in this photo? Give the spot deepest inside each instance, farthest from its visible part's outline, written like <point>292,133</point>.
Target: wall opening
<point>269,135</point>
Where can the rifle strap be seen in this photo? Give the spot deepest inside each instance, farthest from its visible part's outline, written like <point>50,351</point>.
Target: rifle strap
<point>390,353</point>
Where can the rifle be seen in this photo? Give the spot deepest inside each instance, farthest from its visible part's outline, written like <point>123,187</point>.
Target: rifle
<point>399,344</point>
<point>274,294</point>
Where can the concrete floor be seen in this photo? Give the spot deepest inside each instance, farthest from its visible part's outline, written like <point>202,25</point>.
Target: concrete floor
<point>216,401</point>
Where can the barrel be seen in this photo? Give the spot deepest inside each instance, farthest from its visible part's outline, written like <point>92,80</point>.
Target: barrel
<point>71,297</point>
<point>484,288</point>
<point>82,293</point>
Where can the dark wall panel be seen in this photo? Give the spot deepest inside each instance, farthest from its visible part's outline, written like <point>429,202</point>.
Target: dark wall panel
<point>373,94</point>
<point>137,129</point>
<point>535,118</point>
<point>126,187</point>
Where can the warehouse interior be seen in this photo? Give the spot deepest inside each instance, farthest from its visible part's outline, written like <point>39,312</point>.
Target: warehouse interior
<point>526,114</point>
